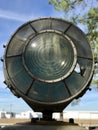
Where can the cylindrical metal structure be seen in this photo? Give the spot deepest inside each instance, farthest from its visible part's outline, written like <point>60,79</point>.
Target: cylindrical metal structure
<point>48,62</point>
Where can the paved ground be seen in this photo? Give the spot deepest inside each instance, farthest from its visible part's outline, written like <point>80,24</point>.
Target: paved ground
<point>86,123</point>
<point>14,121</point>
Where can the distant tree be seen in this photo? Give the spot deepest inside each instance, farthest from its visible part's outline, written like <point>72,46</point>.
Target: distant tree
<point>83,13</point>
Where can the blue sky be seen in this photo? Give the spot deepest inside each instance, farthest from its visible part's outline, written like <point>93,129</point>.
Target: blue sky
<point>13,13</point>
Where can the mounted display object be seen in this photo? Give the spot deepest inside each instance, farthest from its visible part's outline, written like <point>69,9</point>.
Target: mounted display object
<point>48,62</point>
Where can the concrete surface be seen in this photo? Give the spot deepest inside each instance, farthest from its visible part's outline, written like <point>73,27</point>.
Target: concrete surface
<point>47,125</point>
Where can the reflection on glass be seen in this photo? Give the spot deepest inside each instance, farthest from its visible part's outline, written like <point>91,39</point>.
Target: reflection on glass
<point>49,56</point>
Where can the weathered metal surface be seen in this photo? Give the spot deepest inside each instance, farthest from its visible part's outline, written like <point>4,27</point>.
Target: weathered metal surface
<point>48,62</point>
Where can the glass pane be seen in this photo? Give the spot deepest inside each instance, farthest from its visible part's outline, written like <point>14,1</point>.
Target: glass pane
<point>60,25</point>
<point>75,82</point>
<point>80,41</point>
<point>45,92</point>
<point>24,32</point>
<point>50,23</point>
<point>42,24</point>
<point>18,42</point>
<point>22,81</point>
<point>49,56</point>
<point>18,75</point>
<point>15,47</point>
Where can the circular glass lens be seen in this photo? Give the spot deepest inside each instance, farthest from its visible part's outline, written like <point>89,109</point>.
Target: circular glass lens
<point>49,57</point>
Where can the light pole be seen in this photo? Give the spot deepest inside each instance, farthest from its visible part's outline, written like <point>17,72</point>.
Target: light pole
<point>11,108</point>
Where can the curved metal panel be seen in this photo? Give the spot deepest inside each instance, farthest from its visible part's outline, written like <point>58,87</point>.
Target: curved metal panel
<point>48,62</point>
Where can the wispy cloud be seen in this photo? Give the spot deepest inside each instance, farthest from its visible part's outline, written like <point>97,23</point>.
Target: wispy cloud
<point>6,14</point>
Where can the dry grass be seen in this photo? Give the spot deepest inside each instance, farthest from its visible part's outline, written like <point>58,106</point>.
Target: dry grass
<point>13,121</point>
<point>89,122</point>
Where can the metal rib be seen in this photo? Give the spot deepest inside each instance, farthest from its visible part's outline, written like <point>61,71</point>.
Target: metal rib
<point>67,28</point>
<point>84,57</point>
<point>33,28</point>
<point>30,87</point>
<point>13,56</point>
<point>67,88</point>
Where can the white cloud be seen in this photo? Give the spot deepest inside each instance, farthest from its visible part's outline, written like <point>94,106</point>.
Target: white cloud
<point>6,14</point>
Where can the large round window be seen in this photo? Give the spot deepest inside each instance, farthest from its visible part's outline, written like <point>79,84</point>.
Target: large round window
<point>50,57</point>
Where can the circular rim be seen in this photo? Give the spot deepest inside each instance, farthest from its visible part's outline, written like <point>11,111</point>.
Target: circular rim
<point>78,94</point>
<point>72,67</point>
